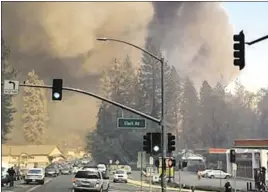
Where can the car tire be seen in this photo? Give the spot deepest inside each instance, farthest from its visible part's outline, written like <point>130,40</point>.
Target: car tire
<point>212,177</point>
<point>227,177</point>
<point>126,181</point>
<point>42,182</point>
<point>114,181</point>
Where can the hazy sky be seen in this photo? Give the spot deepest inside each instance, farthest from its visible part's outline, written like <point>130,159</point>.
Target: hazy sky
<point>252,18</point>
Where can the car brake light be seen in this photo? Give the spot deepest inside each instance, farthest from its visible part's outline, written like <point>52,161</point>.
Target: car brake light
<point>73,180</point>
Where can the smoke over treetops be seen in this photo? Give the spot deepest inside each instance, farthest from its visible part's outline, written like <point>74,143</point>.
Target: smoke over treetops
<point>58,40</point>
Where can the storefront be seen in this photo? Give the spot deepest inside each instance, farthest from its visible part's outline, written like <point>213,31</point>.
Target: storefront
<point>250,154</point>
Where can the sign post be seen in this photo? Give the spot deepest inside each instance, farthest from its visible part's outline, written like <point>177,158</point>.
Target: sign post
<point>129,123</point>
<point>151,162</point>
<point>234,167</point>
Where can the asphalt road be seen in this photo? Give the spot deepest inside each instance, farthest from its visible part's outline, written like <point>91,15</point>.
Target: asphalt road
<point>63,183</point>
<point>191,179</point>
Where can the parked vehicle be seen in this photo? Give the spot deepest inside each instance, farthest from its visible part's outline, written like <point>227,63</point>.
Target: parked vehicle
<point>218,174</point>
<point>204,173</point>
<point>35,175</point>
<point>4,176</point>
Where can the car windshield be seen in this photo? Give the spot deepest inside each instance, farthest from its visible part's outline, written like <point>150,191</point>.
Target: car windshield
<point>87,175</point>
<point>34,171</point>
<point>120,172</point>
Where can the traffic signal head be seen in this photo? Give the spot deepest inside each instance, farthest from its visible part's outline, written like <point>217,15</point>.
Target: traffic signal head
<point>156,143</point>
<point>182,164</point>
<point>239,50</point>
<point>157,163</point>
<point>147,143</point>
<point>171,163</point>
<point>171,143</point>
<point>57,89</point>
<point>232,156</point>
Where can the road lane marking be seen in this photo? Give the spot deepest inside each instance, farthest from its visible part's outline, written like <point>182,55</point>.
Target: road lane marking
<point>35,187</point>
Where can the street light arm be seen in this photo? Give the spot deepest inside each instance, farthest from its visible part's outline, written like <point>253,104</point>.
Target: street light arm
<point>130,44</point>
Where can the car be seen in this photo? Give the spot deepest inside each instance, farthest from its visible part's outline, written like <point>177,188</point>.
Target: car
<point>204,173</point>
<point>102,167</point>
<point>4,176</point>
<point>66,170</point>
<point>218,174</point>
<point>120,176</point>
<point>52,170</point>
<point>35,175</point>
<point>90,180</point>
<point>76,169</point>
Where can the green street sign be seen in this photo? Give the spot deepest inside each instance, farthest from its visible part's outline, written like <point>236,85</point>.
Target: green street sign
<point>131,123</point>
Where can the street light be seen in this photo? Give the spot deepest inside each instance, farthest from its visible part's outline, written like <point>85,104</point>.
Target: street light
<point>162,121</point>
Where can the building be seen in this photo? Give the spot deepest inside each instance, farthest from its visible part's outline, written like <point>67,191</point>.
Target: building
<point>250,154</point>
<point>30,155</point>
<point>215,158</point>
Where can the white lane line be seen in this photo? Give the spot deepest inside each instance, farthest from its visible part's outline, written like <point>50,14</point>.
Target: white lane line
<point>35,187</point>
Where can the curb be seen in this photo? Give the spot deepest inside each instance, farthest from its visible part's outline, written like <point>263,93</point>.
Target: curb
<point>138,183</point>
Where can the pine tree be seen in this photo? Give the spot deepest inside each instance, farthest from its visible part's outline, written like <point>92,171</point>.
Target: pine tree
<point>189,111</point>
<point>122,80</point>
<point>206,112</point>
<point>7,108</point>
<point>34,112</point>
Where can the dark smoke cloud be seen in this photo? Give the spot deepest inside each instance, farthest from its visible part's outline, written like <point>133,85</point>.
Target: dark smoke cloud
<point>197,39</point>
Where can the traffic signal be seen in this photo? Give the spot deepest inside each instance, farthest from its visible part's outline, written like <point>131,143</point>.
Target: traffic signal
<point>147,143</point>
<point>157,163</point>
<point>156,143</point>
<point>171,143</point>
<point>232,156</point>
<point>57,89</point>
<point>182,164</point>
<point>239,50</point>
<point>171,163</point>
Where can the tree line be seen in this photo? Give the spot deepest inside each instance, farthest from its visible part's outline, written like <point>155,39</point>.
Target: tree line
<point>207,117</point>
<point>34,116</point>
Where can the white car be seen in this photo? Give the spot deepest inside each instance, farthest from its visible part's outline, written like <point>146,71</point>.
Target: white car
<point>120,176</point>
<point>101,167</point>
<point>218,174</point>
<point>35,175</point>
<point>204,173</point>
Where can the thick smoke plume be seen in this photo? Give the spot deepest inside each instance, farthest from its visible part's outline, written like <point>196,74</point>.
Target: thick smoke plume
<point>197,38</point>
<point>58,40</point>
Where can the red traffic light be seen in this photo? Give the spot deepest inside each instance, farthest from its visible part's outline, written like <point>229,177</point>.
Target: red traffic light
<point>171,163</point>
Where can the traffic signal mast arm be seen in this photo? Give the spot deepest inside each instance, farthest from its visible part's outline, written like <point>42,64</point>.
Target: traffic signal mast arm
<point>97,97</point>
<point>257,40</point>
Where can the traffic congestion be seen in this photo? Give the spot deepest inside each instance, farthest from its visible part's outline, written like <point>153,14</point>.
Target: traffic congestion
<point>82,174</point>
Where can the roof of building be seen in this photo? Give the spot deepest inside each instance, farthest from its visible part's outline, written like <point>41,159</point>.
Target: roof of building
<point>27,149</point>
<point>251,143</point>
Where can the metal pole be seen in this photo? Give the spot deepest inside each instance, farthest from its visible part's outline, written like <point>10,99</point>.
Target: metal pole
<point>180,175</point>
<point>141,168</point>
<point>163,182</point>
<point>235,181</point>
<point>98,97</point>
<point>150,179</point>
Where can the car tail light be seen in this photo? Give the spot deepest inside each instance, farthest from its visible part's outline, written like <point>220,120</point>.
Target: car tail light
<point>73,180</point>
